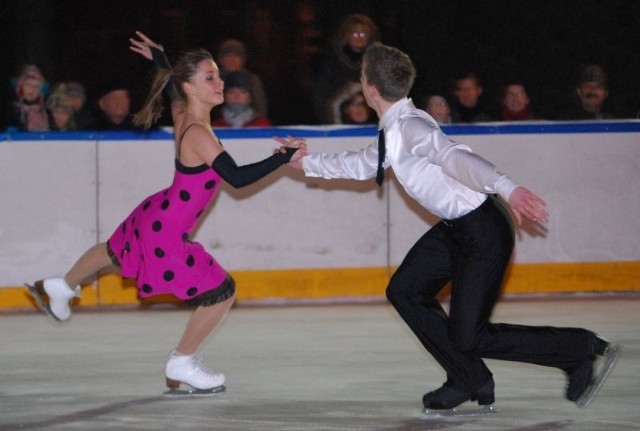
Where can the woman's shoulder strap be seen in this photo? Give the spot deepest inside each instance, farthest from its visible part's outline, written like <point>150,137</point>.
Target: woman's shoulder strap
<point>184,132</point>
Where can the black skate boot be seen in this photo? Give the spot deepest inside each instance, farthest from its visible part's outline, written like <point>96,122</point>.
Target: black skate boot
<point>582,385</point>
<point>448,398</point>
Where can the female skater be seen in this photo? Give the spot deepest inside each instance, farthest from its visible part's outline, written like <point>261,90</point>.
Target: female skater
<point>153,244</point>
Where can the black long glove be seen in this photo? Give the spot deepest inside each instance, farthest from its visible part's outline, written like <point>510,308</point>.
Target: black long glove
<point>161,61</point>
<point>240,176</point>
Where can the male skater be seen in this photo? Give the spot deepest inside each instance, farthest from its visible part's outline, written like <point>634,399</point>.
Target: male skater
<point>471,246</point>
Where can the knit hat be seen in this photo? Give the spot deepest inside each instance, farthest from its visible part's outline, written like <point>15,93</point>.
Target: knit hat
<point>238,79</point>
<point>109,86</point>
<point>594,73</point>
<point>75,89</point>
<point>58,99</point>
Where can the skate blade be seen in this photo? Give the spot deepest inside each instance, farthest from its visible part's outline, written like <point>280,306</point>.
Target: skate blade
<point>610,358</point>
<point>192,392</point>
<point>37,295</point>
<point>460,413</point>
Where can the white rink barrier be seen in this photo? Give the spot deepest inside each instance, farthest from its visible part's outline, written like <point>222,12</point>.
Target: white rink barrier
<point>62,193</point>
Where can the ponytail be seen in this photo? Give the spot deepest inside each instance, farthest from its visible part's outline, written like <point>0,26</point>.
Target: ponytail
<point>152,109</point>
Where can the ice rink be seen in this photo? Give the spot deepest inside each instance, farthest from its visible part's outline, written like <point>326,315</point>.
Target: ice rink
<point>295,368</point>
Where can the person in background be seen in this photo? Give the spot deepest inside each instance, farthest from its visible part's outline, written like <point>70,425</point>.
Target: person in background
<point>591,93</point>
<point>352,108</point>
<point>114,103</point>
<point>516,105</point>
<point>29,110</point>
<point>237,110</point>
<point>232,57</point>
<point>341,64</point>
<point>438,107</point>
<point>60,110</point>
<point>467,105</point>
<point>84,117</point>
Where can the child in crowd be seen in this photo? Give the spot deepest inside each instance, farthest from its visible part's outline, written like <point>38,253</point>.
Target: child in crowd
<point>29,111</point>
<point>60,111</point>
<point>237,110</point>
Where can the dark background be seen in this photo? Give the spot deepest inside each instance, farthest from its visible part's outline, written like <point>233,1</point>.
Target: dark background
<point>543,42</point>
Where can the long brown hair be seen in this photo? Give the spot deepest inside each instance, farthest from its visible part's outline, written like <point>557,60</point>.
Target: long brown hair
<point>183,71</point>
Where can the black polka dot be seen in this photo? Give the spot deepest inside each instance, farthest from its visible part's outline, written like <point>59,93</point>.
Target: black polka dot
<point>184,195</point>
<point>146,288</point>
<point>210,184</point>
<point>190,261</point>
<point>159,252</point>
<point>168,275</point>
<point>185,237</point>
<point>127,247</point>
<point>136,232</point>
<point>192,291</point>
<point>157,226</point>
<point>146,205</point>
<point>165,204</point>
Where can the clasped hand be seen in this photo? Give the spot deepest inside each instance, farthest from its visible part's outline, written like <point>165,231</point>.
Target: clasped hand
<point>291,142</point>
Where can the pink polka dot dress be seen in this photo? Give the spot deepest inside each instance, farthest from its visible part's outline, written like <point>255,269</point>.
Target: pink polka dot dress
<point>153,243</point>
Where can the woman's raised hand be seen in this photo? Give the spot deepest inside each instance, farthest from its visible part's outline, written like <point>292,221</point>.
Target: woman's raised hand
<point>143,45</point>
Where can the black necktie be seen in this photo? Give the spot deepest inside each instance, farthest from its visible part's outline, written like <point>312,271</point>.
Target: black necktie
<point>381,155</point>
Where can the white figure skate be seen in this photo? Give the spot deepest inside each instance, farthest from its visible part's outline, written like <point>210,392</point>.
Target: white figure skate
<point>188,369</point>
<point>53,296</point>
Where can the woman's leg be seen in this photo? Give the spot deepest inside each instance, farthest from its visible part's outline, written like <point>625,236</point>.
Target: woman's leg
<point>92,261</point>
<point>53,294</point>
<point>202,322</point>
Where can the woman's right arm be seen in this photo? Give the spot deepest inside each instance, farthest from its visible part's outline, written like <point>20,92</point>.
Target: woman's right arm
<point>155,52</point>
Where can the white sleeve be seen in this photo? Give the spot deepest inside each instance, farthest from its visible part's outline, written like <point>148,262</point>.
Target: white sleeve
<point>357,165</point>
<point>475,172</point>
<point>456,160</point>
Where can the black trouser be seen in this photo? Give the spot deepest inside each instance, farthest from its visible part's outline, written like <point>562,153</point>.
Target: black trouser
<point>473,252</point>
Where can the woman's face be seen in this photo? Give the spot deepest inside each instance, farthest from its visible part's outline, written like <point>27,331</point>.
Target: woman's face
<point>206,85</point>
<point>357,109</point>
<point>515,98</point>
<point>437,106</point>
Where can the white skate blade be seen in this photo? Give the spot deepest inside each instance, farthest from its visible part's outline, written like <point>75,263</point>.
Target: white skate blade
<point>458,412</point>
<point>611,356</point>
<point>37,296</point>
<point>192,392</point>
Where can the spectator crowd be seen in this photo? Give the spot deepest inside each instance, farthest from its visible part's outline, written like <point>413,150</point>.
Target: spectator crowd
<point>335,93</point>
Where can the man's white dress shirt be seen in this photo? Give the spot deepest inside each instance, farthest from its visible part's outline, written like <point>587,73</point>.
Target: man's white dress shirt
<point>445,177</point>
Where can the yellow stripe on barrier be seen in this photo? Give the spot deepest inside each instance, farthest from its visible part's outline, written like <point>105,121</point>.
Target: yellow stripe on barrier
<point>302,284</point>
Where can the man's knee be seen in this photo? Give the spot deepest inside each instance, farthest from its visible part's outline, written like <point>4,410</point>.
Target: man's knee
<point>395,291</point>
<point>464,341</point>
